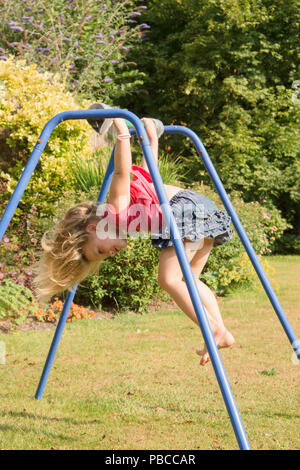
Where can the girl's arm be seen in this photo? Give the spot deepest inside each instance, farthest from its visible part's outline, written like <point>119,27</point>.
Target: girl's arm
<point>119,191</point>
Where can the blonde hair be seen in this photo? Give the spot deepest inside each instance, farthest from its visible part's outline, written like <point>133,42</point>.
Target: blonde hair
<point>62,263</point>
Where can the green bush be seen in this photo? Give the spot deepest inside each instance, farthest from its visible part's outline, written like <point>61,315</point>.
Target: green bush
<point>229,70</point>
<point>89,172</point>
<point>289,243</point>
<point>126,281</point>
<point>228,266</point>
<point>84,41</point>
<point>169,168</point>
<point>16,302</point>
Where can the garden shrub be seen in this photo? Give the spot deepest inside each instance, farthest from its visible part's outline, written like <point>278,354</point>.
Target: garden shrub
<point>31,98</point>
<point>229,266</point>
<point>16,258</point>
<point>229,70</point>
<point>169,168</point>
<point>288,244</point>
<point>126,281</point>
<point>89,172</point>
<point>85,41</point>
<point>16,301</point>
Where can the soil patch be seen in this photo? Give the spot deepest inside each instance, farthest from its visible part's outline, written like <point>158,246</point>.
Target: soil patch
<point>31,323</point>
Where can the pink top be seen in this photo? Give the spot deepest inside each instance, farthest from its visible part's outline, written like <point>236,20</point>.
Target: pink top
<point>143,214</point>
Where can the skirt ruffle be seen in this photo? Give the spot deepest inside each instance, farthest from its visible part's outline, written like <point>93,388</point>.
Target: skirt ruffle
<point>197,217</point>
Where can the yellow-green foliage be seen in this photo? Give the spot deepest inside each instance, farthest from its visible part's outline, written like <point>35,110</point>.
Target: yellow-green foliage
<point>28,100</point>
<point>241,271</point>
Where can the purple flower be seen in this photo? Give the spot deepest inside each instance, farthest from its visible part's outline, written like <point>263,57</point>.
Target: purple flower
<point>64,38</point>
<point>14,44</point>
<point>84,70</point>
<point>54,59</point>
<point>100,42</point>
<point>99,55</point>
<point>114,61</point>
<point>111,37</point>
<point>88,18</point>
<point>26,18</point>
<point>76,44</point>
<point>46,50</point>
<point>144,26</point>
<point>104,7</point>
<point>135,13</point>
<point>11,23</point>
<point>78,57</point>
<point>132,21</point>
<point>107,80</point>
<point>121,31</point>
<point>6,240</point>
<point>99,35</point>
<point>71,66</point>
<point>3,57</point>
<point>39,49</point>
<point>142,7</point>
<point>17,28</point>
<point>126,49</point>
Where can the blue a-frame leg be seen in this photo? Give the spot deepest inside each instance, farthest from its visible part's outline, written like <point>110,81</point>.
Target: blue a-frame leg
<point>179,247</point>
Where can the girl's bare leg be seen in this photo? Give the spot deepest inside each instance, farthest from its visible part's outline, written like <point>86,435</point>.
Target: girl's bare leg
<point>170,279</point>
<point>223,338</point>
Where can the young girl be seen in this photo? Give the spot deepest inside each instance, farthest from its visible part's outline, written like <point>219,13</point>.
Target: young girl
<point>79,243</point>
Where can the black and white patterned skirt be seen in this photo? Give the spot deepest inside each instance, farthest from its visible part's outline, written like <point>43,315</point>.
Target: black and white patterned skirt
<point>197,217</point>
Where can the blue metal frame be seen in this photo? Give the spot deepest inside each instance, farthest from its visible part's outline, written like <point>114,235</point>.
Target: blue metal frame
<point>178,244</point>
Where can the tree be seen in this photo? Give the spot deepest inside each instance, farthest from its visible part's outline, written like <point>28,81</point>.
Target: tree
<point>226,68</point>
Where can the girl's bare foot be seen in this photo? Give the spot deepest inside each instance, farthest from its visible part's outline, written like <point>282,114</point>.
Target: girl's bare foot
<point>223,338</point>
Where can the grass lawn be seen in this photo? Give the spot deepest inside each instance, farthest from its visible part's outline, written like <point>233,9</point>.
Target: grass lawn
<point>134,382</point>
